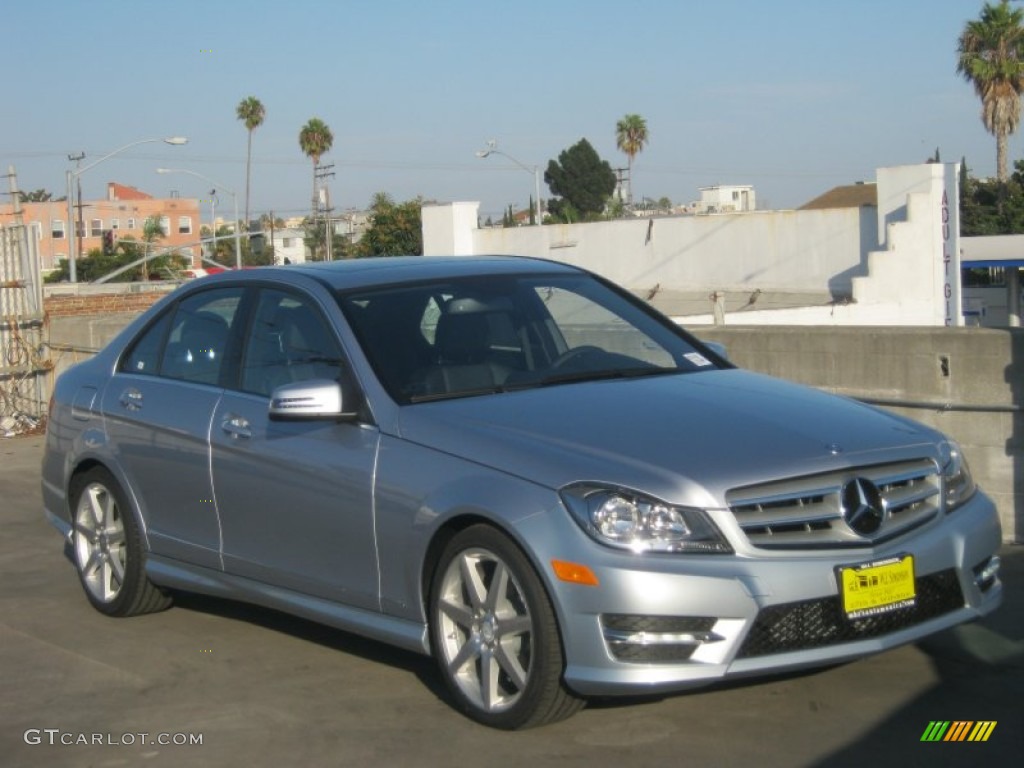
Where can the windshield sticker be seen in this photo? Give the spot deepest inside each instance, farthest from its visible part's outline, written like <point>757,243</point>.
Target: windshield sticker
<point>697,359</point>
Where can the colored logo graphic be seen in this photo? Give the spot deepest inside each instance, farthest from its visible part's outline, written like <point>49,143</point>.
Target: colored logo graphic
<point>958,730</point>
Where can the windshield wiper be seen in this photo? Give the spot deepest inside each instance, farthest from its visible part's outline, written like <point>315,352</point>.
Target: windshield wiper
<point>613,373</point>
<point>568,377</point>
<point>489,390</point>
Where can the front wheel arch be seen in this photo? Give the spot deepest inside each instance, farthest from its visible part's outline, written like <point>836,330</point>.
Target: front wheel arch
<point>494,631</point>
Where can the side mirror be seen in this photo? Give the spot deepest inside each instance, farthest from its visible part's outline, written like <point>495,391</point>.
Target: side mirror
<point>312,399</point>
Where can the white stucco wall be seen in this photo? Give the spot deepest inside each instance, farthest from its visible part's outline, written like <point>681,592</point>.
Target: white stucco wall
<point>448,229</point>
<point>836,252</point>
<point>918,218</point>
<point>781,250</point>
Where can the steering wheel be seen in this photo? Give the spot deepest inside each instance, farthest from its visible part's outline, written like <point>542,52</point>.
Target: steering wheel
<point>576,353</point>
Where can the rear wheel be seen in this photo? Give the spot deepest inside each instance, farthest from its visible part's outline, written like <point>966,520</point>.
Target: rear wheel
<point>495,635</point>
<point>108,548</point>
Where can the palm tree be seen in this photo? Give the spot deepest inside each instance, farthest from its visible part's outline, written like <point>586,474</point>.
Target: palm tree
<point>315,139</point>
<point>152,230</point>
<point>250,111</point>
<point>631,138</point>
<point>990,56</point>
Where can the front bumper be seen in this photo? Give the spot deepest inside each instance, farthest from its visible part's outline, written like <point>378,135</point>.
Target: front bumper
<point>665,623</point>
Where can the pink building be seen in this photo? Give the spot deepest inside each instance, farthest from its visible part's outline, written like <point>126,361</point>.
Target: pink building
<point>124,212</point>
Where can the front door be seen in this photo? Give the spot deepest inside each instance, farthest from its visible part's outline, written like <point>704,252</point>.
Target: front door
<point>295,498</point>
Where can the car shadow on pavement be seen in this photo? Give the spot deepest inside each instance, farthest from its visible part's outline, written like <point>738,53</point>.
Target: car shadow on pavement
<point>980,671</point>
<point>422,667</point>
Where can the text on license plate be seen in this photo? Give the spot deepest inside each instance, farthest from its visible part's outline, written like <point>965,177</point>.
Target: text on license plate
<point>880,587</point>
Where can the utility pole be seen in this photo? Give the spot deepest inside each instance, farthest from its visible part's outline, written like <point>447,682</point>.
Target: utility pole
<point>325,172</point>
<point>272,254</point>
<point>622,178</point>
<point>78,224</point>
<point>72,255</point>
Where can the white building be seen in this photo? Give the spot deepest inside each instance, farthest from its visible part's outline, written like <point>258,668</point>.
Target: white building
<point>725,198</point>
<point>289,246</point>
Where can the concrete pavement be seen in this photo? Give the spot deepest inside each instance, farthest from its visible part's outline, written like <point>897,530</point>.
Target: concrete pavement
<point>260,688</point>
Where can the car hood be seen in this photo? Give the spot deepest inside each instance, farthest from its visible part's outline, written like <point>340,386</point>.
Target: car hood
<point>687,438</point>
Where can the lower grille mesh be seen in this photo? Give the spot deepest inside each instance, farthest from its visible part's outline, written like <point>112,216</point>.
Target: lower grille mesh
<point>821,622</point>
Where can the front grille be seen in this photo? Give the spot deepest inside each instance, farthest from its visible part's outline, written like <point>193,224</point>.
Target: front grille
<point>642,639</point>
<point>807,512</point>
<point>818,623</point>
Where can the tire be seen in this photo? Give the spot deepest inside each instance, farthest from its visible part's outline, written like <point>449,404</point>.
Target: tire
<point>495,636</point>
<point>107,547</point>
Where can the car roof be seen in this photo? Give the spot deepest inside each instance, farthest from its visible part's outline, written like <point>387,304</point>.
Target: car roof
<point>360,273</point>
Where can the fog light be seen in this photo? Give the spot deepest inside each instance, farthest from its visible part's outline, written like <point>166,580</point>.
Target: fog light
<point>985,573</point>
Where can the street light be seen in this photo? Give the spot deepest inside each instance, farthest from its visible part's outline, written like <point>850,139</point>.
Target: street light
<point>217,185</point>
<point>71,175</point>
<point>492,149</point>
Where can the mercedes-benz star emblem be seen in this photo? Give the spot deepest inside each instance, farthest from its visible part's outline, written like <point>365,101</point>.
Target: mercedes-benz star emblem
<point>862,505</point>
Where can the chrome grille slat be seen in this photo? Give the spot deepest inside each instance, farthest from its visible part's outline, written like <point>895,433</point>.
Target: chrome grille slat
<point>804,513</point>
<point>900,498</point>
<point>807,512</point>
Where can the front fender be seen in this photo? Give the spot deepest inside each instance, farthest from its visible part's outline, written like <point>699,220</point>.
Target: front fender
<point>420,492</point>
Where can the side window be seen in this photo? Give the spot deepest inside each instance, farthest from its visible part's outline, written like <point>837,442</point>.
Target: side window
<point>198,336</point>
<point>144,355</point>
<point>288,341</point>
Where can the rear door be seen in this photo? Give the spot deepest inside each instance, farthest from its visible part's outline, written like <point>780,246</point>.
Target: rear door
<point>158,408</point>
<point>295,498</point>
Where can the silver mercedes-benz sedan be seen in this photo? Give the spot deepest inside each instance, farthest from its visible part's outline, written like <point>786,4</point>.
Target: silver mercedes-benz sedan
<point>514,466</point>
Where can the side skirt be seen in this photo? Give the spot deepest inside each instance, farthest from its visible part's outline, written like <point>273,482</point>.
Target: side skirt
<point>409,635</point>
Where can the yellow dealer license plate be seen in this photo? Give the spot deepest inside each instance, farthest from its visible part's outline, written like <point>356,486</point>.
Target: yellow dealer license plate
<point>880,587</point>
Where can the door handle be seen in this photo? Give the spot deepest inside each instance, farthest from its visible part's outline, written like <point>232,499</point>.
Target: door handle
<point>131,399</point>
<point>236,426</point>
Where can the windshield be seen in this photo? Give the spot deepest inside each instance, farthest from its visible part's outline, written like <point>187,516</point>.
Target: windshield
<point>456,338</point>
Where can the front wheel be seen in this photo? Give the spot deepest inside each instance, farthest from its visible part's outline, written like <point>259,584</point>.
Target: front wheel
<point>495,635</point>
<point>108,548</point>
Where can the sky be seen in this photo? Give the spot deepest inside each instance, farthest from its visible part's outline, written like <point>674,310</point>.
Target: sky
<point>791,96</point>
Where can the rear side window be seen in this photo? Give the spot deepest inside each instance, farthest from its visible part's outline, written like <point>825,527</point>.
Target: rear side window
<point>144,355</point>
<point>189,341</point>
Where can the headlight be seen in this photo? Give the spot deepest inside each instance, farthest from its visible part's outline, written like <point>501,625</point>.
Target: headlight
<point>957,484</point>
<point>639,523</point>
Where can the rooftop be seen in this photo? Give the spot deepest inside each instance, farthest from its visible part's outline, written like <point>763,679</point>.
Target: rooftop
<point>849,196</point>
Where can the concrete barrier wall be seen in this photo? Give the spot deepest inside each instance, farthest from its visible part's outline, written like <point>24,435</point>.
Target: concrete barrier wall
<point>82,318</point>
<point>967,382</point>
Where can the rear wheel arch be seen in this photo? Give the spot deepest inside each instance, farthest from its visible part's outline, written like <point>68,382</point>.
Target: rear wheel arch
<point>86,465</point>
<point>108,544</point>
